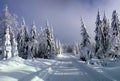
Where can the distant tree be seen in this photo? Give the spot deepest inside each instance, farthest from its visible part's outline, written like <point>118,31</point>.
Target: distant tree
<point>58,47</point>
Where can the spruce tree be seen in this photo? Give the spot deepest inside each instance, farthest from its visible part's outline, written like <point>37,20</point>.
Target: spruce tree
<point>42,43</point>
<point>33,40</point>
<point>85,44</point>
<point>7,19</point>
<point>7,45</point>
<point>23,40</point>
<point>98,37</point>
<point>106,36</point>
<point>115,41</point>
<point>14,47</point>
<point>50,41</point>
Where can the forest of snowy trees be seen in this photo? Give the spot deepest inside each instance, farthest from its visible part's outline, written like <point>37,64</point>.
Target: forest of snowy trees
<point>16,40</point>
<point>107,39</point>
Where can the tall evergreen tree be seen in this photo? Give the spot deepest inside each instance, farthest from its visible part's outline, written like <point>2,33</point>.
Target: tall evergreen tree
<point>115,37</point>
<point>42,42</point>
<point>14,47</point>
<point>85,44</point>
<point>58,47</point>
<point>50,41</point>
<point>7,19</point>
<point>106,36</point>
<point>23,40</point>
<point>33,40</point>
<point>99,37</point>
<point>7,45</point>
<point>115,24</point>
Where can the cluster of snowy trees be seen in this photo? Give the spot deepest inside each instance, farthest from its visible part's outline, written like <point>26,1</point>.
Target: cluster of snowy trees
<point>16,40</point>
<point>107,39</point>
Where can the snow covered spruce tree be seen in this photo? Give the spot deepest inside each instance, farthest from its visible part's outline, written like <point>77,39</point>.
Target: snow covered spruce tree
<point>58,47</point>
<point>14,47</point>
<point>106,35</point>
<point>98,37</point>
<point>115,37</point>
<point>23,40</point>
<point>85,53</point>
<point>7,45</point>
<point>33,45</point>
<point>50,41</point>
<point>42,43</point>
<point>6,19</point>
<point>76,49</point>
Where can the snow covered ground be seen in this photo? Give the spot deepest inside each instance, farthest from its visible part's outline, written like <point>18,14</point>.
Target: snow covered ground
<point>65,67</point>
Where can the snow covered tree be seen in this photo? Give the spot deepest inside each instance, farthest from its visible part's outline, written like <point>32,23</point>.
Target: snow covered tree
<point>99,37</point>
<point>33,40</point>
<point>115,23</point>
<point>76,48</point>
<point>6,19</point>
<point>14,47</point>
<point>58,47</point>
<point>106,35</point>
<point>7,45</point>
<point>42,43</point>
<point>50,41</point>
<point>85,44</point>
<point>115,37</point>
<point>23,40</point>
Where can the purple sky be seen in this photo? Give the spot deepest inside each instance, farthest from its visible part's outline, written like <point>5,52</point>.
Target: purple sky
<point>63,15</point>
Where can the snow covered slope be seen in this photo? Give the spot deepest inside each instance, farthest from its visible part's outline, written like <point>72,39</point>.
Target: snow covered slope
<point>65,67</point>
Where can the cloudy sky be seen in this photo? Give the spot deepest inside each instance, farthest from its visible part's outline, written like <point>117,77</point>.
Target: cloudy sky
<point>63,15</point>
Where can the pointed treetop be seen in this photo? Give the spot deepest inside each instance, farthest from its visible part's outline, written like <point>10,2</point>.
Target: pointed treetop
<point>98,15</point>
<point>114,11</point>
<point>6,8</point>
<point>23,21</point>
<point>51,29</point>
<point>33,24</point>
<point>5,11</point>
<point>82,21</point>
<point>114,14</point>
<point>82,24</point>
<point>47,23</point>
<point>104,17</point>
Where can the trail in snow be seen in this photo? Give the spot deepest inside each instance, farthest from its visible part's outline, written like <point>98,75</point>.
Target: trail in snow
<point>66,68</point>
<point>70,69</point>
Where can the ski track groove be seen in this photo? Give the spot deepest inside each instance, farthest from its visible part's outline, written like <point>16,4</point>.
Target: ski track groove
<point>32,75</point>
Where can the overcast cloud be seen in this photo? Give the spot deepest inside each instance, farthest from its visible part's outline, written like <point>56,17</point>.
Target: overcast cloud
<point>63,15</point>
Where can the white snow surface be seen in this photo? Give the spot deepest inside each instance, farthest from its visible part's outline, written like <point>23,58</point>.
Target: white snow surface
<point>66,67</point>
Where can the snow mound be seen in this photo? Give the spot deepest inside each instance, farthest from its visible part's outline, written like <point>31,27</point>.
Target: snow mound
<point>18,69</point>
